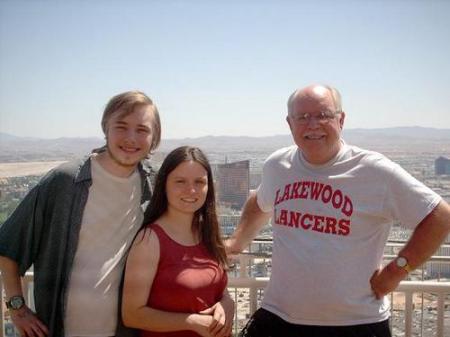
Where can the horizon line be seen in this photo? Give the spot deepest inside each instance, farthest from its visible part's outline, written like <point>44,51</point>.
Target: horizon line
<point>234,136</point>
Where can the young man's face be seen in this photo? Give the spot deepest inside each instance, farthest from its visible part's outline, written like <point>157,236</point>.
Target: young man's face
<point>129,137</point>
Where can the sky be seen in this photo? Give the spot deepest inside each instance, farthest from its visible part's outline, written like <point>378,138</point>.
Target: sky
<point>221,67</point>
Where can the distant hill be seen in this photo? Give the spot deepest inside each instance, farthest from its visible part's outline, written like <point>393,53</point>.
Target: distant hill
<point>17,149</point>
<point>408,139</point>
<point>411,132</point>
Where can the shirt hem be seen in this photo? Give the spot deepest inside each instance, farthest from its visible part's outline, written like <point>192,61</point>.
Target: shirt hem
<point>293,320</point>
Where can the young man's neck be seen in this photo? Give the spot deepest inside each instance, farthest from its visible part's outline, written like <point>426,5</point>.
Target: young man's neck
<point>113,167</point>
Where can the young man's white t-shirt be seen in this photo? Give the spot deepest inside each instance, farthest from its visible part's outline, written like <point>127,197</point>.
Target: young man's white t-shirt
<point>330,226</point>
<point>111,219</point>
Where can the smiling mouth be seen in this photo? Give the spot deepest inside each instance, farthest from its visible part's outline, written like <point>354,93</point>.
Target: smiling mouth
<point>129,149</point>
<point>189,200</point>
<point>314,137</point>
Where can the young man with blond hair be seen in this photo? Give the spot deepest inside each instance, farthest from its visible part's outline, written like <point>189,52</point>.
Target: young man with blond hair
<point>76,225</point>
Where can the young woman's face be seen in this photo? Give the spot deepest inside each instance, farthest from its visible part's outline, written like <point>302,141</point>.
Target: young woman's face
<point>187,187</point>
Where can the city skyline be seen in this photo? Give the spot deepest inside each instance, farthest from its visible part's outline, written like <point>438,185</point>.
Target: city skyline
<point>220,68</point>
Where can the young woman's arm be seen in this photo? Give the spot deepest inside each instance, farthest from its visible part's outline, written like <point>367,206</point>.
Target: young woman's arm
<point>140,271</point>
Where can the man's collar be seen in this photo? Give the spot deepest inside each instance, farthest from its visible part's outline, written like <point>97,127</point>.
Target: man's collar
<point>84,171</point>
<point>144,166</point>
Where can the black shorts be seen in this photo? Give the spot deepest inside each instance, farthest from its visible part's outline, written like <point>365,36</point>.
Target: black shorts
<point>265,324</point>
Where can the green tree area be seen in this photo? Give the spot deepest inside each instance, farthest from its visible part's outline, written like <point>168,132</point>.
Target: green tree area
<point>6,209</point>
<point>12,191</point>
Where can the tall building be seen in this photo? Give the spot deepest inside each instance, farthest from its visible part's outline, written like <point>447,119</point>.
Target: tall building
<point>442,166</point>
<point>233,183</point>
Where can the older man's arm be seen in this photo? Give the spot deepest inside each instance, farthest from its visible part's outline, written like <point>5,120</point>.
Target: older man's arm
<point>425,240</point>
<point>252,220</point>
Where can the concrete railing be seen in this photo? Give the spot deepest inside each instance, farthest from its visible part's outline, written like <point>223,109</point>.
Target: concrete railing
<point>440,289</point>
<point>255,285</point>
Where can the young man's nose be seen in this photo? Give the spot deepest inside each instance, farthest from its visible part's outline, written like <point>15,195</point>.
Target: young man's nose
<point>131,136</point>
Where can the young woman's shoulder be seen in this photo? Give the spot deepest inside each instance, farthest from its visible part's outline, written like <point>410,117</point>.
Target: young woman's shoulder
<point>146,243</point>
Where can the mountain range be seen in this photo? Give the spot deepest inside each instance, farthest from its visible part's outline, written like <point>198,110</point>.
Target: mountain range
<point>408,139</point>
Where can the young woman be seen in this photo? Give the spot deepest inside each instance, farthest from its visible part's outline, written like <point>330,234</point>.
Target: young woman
<point>175,279</point>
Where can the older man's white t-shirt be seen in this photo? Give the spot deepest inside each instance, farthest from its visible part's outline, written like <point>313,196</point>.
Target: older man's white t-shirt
<point>330,226</point>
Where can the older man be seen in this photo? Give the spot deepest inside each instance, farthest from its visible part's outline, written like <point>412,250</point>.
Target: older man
<point>332,206</point>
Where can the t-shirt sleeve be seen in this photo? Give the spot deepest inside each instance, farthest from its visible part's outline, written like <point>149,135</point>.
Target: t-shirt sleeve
<point>264,195</point>
<point>409,200</point>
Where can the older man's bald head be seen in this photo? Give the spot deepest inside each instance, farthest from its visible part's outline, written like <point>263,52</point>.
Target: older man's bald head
<point>315,92</point>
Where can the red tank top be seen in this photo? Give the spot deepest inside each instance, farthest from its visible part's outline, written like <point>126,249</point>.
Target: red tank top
<point>188,280</point>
